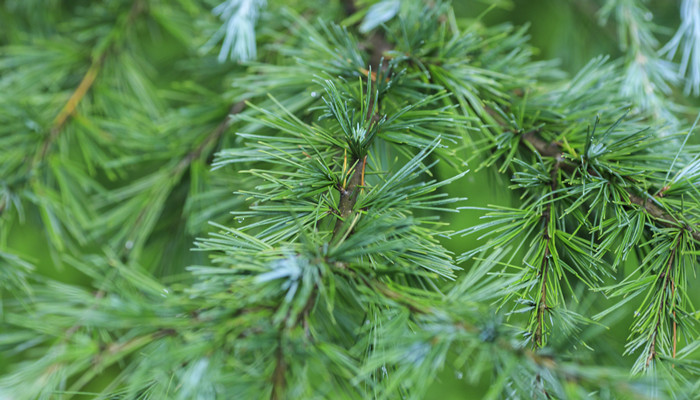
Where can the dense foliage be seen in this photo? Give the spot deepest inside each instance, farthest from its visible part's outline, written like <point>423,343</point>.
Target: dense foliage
<point>266,199</point>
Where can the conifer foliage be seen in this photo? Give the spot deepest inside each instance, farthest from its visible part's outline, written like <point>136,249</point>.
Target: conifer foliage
<point>262,208</point>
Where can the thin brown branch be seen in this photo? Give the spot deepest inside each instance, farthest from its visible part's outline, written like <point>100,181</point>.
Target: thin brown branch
<point>376,41</point>
<point>654,211</point>
<point>69,108</point>
<point>278,375</point>
<point>279,380</point>
<point>349,7</point>
<point>348,195</point>
<point>545,361</point>
<point>538,380</point>
<point>545,149</point>
<point>350,191</point>
<point>379,46</point>
<point>665,219</point>
<point>673,308</point>
<point>538,336</point>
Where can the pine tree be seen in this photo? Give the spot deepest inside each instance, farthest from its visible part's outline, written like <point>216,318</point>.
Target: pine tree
<point>260,199</point>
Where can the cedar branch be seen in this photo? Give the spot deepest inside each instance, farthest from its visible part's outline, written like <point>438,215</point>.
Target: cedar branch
<point>538,337</point>
<point>662,216</point>
<point>83,87</point>
<point>667,280</point>
<point>350,191</point>
<point>348,195</point>
<point>186,161</point>
<point>72,103</point>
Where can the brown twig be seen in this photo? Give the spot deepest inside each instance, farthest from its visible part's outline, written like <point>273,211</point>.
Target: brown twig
<point>348,195</point>
<point>673,307</point>
<point>349,7</point>
<point>538,336</point>
<point>664,218</point>
<point>379,46</point>
<point>278,375</point>
<point>69,108</point>
<point>377,41</point>
<point>72,103</point>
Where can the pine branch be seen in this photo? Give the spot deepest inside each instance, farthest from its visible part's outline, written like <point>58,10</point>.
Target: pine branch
<point>549,368</point>
<point>87,81</point>
<point>333,281</point>
<point>664,218</point>
<point>541,307</point>
<point>178,171</point>
<point>662,307</point>
<point>69,108</point>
